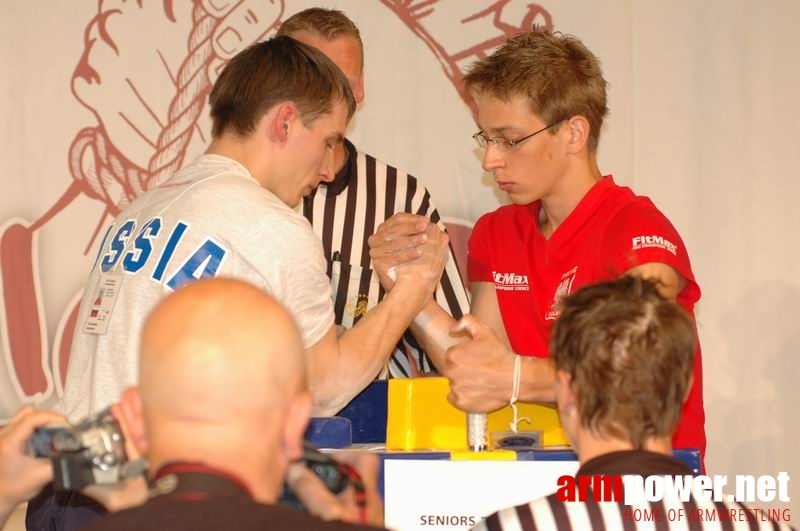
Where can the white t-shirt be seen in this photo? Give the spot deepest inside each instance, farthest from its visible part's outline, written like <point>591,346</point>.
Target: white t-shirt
<point>210,219</point>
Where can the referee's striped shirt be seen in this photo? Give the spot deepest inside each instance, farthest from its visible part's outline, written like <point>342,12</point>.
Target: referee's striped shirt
<point>344,214</point>
<point>551,514</point>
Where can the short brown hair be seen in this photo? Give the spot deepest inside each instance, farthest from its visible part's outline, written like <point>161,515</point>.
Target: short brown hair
<point>630,353</point>
<point>270,72</point>
<point>327,23</point>
<point>558,75</point>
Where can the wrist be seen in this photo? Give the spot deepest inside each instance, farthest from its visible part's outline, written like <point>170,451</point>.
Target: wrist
<point>426,315</point>
<point>409,290</point>
<point>537,380</point>
<point>504,375</point>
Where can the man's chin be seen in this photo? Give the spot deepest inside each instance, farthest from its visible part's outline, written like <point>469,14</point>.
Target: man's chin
<point>305,192</point>
<point>520,199</point>
<point>293,202</point>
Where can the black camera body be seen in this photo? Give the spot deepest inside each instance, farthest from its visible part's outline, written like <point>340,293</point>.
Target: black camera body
<point>325,467</point>
<point>91,452</point>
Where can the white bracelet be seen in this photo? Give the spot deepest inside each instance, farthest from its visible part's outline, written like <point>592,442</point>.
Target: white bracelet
<point>515,393</point>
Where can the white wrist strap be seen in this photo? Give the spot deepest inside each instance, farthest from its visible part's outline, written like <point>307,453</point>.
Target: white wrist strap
<point>514,393</point>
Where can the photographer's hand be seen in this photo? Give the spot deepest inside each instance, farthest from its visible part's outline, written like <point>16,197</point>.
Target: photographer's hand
<point>21,475</point>
<point>129,492</point>
<point>347,506</point>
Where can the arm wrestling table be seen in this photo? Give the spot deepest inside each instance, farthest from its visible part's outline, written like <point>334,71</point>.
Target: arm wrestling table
<point>428,479</point>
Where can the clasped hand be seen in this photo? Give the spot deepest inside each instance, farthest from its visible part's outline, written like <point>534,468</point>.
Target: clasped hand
<point>409,248</point>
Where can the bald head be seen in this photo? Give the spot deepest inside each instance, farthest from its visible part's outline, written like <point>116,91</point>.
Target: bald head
<point>221,382</point>
<point>217,349</point>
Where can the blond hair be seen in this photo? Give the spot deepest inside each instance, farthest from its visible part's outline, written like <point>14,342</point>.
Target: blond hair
<point>327,23</point>
<point>556,73</point>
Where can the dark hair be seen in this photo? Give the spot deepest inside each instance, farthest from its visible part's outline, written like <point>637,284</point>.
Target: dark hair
<point>556,73</point>
<point>274,71</point>
<point>327,23</point>
<point>629,352</point>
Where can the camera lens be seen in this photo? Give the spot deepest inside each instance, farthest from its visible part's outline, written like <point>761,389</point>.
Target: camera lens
<point>66,441</point>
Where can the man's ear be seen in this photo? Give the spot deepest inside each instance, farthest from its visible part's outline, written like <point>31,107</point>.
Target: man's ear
<point>295,424</point>
<point>566,397</point>
<point>130,408</point>
<point>578,129</point>
<point>276,125</point>
<point>689,388</point>
<point>283,120</point>
<point>358,92</point>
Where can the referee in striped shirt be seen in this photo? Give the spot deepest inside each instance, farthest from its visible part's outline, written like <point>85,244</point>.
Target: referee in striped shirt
<point>624,356</point>
<point>365,192</point>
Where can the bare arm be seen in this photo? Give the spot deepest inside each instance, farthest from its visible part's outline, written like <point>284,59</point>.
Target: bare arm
<point>433,326</point>
<point>538,374</point>
<point>476,355</point>
<point>339,368</point>
<point>480,367</point>
<point>487,310</point>
<point>481,370</point>
<point>670,282</point>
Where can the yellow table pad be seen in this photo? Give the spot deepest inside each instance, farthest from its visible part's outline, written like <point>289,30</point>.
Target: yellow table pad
<point>420,417</point>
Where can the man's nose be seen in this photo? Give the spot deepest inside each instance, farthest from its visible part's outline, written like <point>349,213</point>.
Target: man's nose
<point>491,158</point>
<point>327,171</point>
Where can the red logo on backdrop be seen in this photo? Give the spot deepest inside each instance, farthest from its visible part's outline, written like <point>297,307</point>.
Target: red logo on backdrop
<point>155,134</point>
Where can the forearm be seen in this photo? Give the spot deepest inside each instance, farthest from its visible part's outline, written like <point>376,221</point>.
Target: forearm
<point>431,327</point>
<point>481,372</point>
<point>537,380</point>
<point>490,387</point>
<point>362,351</point>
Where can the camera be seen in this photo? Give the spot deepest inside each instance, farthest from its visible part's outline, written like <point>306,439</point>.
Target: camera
<point>326,468</point>
<point>91,452</point>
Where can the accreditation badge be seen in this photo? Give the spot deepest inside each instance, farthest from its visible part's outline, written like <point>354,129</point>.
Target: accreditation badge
<point>103,300</point>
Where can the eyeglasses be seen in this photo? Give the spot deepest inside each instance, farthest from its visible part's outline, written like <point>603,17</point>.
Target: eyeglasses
<point>504,144</point>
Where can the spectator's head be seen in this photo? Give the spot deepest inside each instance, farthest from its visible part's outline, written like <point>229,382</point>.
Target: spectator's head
<point>624,357</point>
<point>221,382</point>
<point>271,72</point>
<point>554,75</point>
<point>335,35</point>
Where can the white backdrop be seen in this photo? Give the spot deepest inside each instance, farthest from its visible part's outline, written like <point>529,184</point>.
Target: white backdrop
<point>703,120</point>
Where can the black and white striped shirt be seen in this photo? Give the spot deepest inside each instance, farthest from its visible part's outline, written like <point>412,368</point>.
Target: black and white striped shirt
<point>344,214</point>
<point>551,514</point>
